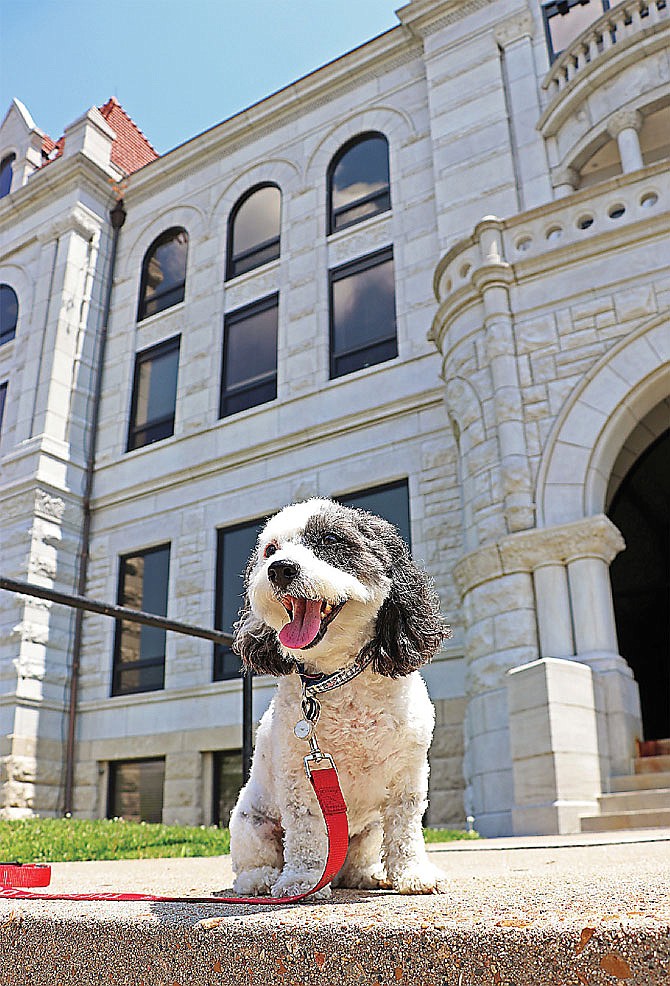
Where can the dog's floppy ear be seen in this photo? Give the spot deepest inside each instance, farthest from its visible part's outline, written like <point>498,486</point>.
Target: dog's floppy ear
<point>409,629</point>
<point>256,643</point>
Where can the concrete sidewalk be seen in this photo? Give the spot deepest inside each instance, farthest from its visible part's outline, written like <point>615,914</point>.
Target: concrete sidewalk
<point>583,910</point>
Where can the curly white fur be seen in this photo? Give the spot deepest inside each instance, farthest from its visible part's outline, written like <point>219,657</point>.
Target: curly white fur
<point>377,728</point>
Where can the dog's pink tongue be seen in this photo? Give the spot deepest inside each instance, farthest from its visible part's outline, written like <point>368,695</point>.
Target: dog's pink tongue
<point>305,624</point>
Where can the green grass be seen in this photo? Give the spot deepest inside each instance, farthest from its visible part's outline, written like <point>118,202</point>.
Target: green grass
<point>52,840</point>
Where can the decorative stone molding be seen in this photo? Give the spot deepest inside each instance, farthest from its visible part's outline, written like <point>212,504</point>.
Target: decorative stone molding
<point>79,220</point>
<point>625,119</point>
<point>525,551</point>
<point>516,27</point>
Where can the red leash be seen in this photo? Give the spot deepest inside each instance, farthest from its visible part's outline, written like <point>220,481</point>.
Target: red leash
<point>14,878</point>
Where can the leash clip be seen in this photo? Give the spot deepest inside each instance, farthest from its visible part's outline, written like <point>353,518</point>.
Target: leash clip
<point>319,759</point>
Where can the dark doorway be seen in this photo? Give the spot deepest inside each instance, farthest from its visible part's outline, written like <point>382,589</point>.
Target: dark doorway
<point>641,581</point>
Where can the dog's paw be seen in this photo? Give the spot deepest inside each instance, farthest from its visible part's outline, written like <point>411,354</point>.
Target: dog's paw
<point>291,883</point>
<point>424,878</point>
<point>256,882</point>
<point>369,878</point>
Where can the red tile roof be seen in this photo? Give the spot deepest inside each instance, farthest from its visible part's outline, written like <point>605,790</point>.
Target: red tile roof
<point>130,150</point>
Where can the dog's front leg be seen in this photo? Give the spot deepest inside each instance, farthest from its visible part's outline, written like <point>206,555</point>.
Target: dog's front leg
<point>305,841</point>
<point>409,871</point>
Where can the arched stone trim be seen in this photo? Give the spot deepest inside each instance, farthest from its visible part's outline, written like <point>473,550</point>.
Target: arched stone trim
<point>274,171</point>
<point>23,286</point>
<point>395,125</point>
<point>594,424</point>
<point>189,217</point>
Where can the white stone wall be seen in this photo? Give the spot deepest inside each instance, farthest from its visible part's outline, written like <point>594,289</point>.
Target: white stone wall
<point>550,339</point>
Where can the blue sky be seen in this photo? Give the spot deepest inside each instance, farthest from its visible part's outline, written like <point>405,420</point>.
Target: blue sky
<point>178,67</point>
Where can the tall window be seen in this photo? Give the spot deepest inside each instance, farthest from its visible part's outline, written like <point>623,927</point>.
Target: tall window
<point>163,273</point>
<point>136,790</point>
<point>390,501</point>
<point>249,374</point>
<point>233,548</point>
<point>358,181</point>
<point>254,230</point>
<point>564,20</point>
<point>6,174</point>
<point>9,313</point>
<point>154,394</point>
<point>3,401</point>
<point>362,314</point>
<point>139,651</point>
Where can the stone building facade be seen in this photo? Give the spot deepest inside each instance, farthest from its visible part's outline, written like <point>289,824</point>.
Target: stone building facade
<point>526,391</point>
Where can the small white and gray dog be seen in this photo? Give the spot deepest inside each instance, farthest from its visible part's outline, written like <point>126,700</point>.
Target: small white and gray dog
<point>327,586</point>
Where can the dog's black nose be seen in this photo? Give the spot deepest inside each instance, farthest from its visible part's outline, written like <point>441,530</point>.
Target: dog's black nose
<point>281,573</point>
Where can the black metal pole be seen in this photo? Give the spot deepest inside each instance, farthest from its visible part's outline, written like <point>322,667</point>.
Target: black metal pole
<point>81,603</point>
<point>247,723</point>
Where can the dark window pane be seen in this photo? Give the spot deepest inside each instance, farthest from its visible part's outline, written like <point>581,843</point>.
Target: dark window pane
<point>3,399</point>
<point>139,651</point>
<point>227,784</point>
<point>234,546</point>
<point>254,230</point>
<point>249,374</point>
<point>6,173</point>
<point>363,314</point>
<point>9,313</point>
<point>163,273</point>
<point>359,181</point>
<point>154,394</point>
<point>136,790</point>
<point>390,501</point>
<point>566,19</point>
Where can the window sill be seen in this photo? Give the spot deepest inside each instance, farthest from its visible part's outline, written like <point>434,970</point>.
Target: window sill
<point>165,313</point>
<point>249,275</point>
<point>364,224</point>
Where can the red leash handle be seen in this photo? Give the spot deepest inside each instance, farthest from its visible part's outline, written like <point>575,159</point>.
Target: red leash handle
<point>14,878</point>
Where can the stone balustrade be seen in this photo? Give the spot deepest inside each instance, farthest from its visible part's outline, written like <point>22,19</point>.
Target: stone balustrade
<point>619,25</point>
<point>568,223</point>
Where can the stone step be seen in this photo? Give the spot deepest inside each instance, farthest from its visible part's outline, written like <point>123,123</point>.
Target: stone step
<point>623,820</point>
<point>658,798</point>
<point>652,765</point>
<point>640,782</point>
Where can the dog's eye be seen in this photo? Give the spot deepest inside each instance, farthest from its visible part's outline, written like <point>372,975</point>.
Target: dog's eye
<point>270,549</point>
<point>330,539</point>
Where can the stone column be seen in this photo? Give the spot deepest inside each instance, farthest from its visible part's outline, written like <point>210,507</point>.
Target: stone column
<point>624,127</point>
<point>553,610</point>
<point>493,280</point>
<point>596,642</point>
<point>566,180</point>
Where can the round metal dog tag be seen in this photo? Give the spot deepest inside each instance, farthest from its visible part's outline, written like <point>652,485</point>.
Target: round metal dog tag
<point>303,729</point>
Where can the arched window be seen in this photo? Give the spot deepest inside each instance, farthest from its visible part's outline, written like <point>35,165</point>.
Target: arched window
<point>163,273</point>
<point>253,230</point>
<point>6,172</point>
<point>9,313</point>
<point>358,181</point>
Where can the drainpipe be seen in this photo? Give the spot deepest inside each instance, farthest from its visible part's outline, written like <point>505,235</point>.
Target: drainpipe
<point>117,218</point>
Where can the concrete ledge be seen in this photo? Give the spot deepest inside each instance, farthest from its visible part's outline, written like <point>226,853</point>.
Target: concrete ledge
<point>590,910</point>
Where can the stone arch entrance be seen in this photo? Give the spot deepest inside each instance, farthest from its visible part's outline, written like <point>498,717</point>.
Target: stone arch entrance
<point>638,505</point>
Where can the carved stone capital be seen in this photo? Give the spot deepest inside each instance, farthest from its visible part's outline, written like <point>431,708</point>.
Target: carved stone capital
<point>565,177</point>
<point>525,551</point>
<point>519,25</point>
<point>624,120</point>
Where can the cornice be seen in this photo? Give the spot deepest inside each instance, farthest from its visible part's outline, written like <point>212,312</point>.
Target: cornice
<point>390,50</point>
<point>425,16</point>
<point>52,183</point>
